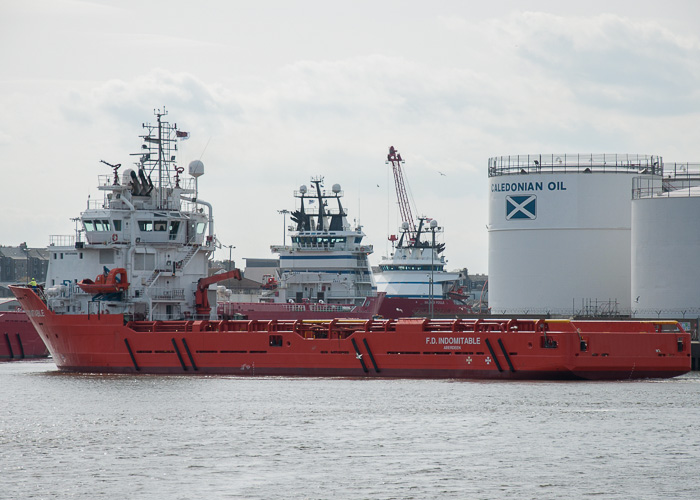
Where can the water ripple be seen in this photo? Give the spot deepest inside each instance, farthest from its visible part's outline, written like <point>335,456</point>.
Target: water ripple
<point>79,436</point>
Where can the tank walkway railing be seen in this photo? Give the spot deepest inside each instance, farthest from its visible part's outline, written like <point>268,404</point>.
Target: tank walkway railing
<point>575,163</point>
<point>671,186</point>
<point>682,170</point>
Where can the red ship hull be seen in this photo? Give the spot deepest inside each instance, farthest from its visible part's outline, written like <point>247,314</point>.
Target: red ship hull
<point>409,348</point>
<point>18,338</point>
<point>404,307</point>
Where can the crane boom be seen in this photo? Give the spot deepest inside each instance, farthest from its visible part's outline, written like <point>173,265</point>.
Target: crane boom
<point>394,158</point>
<point>201,299</point>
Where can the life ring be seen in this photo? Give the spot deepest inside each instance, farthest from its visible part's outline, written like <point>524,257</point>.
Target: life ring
<point>115,237</point>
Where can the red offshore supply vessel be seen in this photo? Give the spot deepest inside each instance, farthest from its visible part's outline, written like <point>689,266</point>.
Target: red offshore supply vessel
<point>410,347</point>
<point>18,337</point>
<point>134,298</point>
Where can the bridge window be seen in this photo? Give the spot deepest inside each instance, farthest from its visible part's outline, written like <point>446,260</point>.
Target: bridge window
<point>102,225</point>
<point>97,225</point>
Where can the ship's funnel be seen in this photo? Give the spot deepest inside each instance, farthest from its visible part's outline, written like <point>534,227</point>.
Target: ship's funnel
<point>146,186</point>
<point>136,188</point>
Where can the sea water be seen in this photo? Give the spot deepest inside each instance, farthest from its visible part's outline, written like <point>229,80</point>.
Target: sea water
<point>68,436</point>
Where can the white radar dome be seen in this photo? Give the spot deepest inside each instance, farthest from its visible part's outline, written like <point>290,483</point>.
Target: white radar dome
<point>196,168</point>
<point>336,188</point>
<point>404,226</point>
<point>302,189</point>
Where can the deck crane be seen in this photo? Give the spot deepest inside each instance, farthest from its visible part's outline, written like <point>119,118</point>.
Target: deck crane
<point>202,305</point>
<point>408,224</point>
<point>395,159</point>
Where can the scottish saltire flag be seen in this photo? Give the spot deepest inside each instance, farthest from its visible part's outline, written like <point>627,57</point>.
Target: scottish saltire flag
<point>521,207</point>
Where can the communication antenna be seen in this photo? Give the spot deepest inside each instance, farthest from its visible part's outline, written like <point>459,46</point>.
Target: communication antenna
<point>205,148</point>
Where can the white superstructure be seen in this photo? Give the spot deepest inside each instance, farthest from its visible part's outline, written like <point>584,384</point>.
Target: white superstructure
<point>559,232</point>
<point>152,225</point>
<point>416,268</point>
<point>327,260</point>
<point>666,244</point>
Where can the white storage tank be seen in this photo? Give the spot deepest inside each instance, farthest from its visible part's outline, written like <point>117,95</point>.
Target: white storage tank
<point>559,232</point>
<point>666,244</point>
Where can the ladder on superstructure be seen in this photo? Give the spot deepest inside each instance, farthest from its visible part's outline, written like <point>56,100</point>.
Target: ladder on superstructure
<point>186,260</point>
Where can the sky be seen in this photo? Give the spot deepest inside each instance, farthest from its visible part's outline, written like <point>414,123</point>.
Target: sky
<point>276,92</point>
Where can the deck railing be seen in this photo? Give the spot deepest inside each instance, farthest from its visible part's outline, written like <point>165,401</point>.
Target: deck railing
<point>575,163</point>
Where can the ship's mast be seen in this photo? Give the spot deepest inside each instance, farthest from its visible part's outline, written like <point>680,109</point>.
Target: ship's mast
<point>158,154</point>
<point>159,194</point>
<point>320,226</point>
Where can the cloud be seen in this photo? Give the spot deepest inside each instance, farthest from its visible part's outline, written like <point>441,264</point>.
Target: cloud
<point>126,100</point>
<point>461,90</point>
<point>609,61</point>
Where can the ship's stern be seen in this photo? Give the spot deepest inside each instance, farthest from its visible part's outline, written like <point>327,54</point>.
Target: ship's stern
<point>35,309</point>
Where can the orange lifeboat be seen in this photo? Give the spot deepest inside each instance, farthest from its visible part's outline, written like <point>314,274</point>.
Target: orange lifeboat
<point>111,282</point>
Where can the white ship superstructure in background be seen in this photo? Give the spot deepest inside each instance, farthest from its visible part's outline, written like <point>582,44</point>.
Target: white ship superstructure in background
<point>146,244</point>
<point>416,268</point>
<point>327,262</point>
